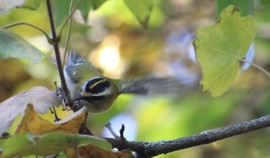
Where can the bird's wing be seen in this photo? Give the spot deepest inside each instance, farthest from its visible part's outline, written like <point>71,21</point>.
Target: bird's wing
<point>78,68</point>
<point>136,86</point>
<point>155,86</point>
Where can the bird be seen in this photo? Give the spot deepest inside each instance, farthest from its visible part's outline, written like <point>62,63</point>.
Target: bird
<point>89,88</point>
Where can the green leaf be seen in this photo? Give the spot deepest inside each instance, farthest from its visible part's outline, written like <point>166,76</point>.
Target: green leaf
<point>13,46</point>
<point>48,144</point>
<point>220,47</point>
<point>31,4</point>
<point>60,10</point>
<point>97,3</point>
<point>245,6</point>
<point>141,9</point>
<point>84,8</point>
<point>86,5</point>
<point>2,141</point>
<point>7,5</point>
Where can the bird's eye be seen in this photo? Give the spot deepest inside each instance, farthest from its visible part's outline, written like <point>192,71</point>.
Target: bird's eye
<point>96,85</point>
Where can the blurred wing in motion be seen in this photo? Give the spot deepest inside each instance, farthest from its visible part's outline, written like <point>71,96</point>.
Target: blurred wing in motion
<point>133,86</point>
<point>155,86</point>
<point>78,68</point>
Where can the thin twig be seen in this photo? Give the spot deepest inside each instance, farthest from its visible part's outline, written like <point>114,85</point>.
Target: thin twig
<point>150,149</point>
<point>109,127</point>
<point>68,31</point>
<point>121,131</point>
<point>69,16</point>
<point>57,54</point>
<point>28,24</point>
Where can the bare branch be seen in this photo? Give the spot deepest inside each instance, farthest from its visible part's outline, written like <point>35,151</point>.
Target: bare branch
<point>149,149</point>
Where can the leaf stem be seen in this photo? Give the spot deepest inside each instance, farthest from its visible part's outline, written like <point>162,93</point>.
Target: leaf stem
<point>243,60</point>
<point>30,25</point>
<point>55,44</point>
<point>256,66</point>
<point>68,20</point>
<point>68,30</point>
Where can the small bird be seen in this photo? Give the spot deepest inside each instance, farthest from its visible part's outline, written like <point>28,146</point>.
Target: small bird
<point>97,93</point>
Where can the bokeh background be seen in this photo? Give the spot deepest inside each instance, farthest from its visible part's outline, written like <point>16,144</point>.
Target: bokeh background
<point>114,41</point>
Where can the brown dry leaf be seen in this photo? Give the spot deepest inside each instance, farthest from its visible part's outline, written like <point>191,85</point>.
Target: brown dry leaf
<point>90,151</point>
<point>32,122</point>
<point>40,97</point>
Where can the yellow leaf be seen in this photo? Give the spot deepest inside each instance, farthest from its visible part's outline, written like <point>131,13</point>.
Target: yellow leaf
<point>32,122</point>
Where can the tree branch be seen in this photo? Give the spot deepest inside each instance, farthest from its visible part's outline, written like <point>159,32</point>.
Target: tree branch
<point>56,41</point>
<point>150,149</point>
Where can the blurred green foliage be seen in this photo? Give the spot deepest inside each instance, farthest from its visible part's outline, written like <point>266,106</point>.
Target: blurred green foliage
<point>245,6</point>
<point>143,51</point>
